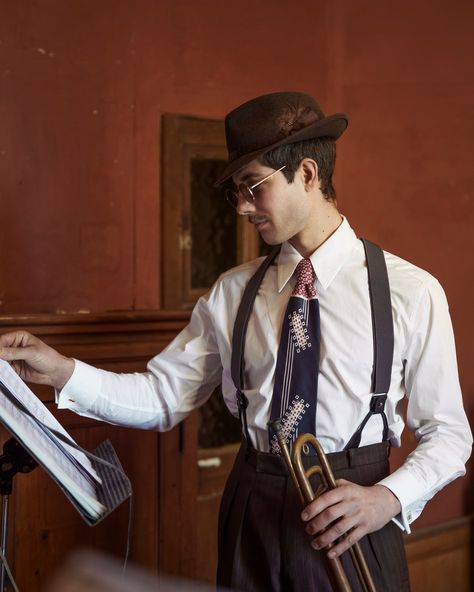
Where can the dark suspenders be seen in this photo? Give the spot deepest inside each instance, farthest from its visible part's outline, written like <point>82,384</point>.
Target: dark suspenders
<point>382,330</point>
<point>238,336</point>
<point>382,327</point>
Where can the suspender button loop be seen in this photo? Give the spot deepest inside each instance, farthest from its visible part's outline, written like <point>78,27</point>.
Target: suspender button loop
<point>242,400</point>
<point>377,403</point>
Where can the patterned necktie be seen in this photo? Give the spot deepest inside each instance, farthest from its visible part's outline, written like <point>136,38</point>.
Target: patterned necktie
<point>296,375</point>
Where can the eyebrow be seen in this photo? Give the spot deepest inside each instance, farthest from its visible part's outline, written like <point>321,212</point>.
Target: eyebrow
<point>249,176</point>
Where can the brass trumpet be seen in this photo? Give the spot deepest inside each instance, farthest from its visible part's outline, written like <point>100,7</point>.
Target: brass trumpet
<point>300,477</point>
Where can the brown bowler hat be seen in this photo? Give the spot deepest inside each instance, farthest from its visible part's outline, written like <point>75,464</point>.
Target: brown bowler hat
<point>274,120</point>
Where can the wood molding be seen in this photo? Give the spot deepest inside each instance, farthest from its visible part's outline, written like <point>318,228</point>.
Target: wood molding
<point>440,557</point>
<point>115,320</point>
<point>120,339</point>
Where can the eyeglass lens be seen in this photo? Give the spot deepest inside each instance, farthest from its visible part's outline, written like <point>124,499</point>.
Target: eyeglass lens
<point>232,195</point>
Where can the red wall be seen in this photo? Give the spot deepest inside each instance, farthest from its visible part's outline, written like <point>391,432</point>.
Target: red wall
<point>83,85</point>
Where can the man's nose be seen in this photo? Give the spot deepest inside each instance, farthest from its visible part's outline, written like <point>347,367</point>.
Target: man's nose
<point>243,207</point>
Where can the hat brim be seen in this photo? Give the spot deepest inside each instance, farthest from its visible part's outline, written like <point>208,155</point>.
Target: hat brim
<point>331,127</point>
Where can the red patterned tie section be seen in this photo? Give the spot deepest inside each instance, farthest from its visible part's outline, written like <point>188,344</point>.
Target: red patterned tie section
<point>305,276</point>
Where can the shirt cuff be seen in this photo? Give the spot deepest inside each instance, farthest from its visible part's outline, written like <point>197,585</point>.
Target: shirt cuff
<point>401,520</point>
<point>410,494</point>
<point>81,390</point>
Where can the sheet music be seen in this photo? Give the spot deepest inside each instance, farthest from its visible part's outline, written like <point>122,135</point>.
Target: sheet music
<point>43,446</point>
<point>23,394</point>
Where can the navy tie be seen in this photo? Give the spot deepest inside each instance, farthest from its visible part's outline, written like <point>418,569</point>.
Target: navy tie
<point>296,376</point>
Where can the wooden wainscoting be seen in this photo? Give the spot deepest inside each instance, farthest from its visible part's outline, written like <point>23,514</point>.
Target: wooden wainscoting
<point>44,526</point>
<point>440,557</point>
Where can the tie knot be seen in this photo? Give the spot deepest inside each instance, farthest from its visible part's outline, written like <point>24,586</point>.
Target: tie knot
<point>305,276</point>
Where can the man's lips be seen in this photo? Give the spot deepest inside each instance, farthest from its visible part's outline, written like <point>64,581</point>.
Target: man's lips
<point>258,220</point>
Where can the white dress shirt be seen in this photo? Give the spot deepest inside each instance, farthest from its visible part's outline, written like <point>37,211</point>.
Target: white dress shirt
<point>183,376</point>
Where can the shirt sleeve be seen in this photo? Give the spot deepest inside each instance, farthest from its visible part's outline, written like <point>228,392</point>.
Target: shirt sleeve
<point>435,410</point>
<point>177,381</point>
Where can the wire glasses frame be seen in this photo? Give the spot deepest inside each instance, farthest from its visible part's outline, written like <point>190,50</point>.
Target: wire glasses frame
<point>246,191</point>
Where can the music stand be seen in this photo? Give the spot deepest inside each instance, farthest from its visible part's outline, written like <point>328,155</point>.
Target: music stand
<point>95,490</point>
<point>15,459</point>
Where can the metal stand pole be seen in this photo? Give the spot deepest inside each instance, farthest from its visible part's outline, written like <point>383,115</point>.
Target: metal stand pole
<point>3,543</point>
<point>15,459</point>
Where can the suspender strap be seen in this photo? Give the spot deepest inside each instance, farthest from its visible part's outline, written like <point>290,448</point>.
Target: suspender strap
<point>382,330</point>
<point>382,321</point>
<point>240,331</point>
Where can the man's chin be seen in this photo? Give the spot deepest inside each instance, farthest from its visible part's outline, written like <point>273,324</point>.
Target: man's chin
<point>270,239</point>
<point>269,234</point>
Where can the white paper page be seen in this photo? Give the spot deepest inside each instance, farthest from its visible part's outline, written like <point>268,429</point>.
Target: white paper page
<point>46,452</point>
<point>21,391</point>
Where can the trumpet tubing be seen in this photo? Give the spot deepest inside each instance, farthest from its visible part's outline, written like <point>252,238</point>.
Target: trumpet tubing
<point>301,479</point>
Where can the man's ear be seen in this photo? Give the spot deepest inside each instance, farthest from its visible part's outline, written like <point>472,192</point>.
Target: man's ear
<point>309,170</point>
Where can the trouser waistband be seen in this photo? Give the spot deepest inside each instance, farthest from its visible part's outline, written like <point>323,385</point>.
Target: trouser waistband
<point>264,462</point>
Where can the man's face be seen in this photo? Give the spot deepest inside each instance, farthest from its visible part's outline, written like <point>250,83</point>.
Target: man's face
<point>281,210</point>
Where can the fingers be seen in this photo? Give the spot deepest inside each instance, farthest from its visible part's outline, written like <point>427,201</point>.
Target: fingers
<point>338,519</point>
<point>34,360</point>
<point>338,526</point>
<point>344,515</point>
<point>17,366</point>
<point>321,503</point>
<point>17,339</point>
<point>343,544</point>
<point>324,519</point>
<point>14,353</point>
<point>342,534</point>
<point>17,345</point>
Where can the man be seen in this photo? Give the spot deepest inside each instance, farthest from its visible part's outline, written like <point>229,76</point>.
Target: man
<point>279,175</point>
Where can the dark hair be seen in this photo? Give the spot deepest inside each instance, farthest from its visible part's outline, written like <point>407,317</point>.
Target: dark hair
<point>322,150</point>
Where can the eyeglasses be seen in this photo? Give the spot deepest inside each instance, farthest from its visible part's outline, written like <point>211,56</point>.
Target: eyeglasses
<point>232,195</point>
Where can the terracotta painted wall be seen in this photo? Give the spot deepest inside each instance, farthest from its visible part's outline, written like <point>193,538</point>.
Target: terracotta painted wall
<point>83,85</point>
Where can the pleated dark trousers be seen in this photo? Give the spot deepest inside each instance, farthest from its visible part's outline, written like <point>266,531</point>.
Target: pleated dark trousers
<point>263,546</point>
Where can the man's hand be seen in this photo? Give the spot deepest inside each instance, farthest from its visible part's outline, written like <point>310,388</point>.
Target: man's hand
<point>35,361</point>
<point>349,509</point>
